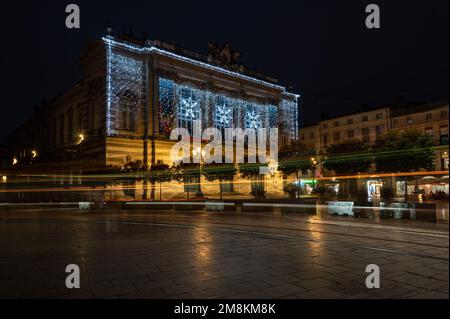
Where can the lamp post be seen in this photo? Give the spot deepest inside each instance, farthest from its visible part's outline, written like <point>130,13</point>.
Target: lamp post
<point>314,162</point>
<point>201,154</point>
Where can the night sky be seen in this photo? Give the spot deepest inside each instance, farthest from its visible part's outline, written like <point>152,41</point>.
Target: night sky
<point>320,48</point>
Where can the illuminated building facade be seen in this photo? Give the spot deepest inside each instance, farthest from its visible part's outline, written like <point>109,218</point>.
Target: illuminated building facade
<point>134,92</point>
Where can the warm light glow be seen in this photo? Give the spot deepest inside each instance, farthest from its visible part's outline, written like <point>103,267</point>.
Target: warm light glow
<point>15,161</point>
<point>34,154</point>
<point>199,151</point>
<point>81,139</point>
<point>4,179</point>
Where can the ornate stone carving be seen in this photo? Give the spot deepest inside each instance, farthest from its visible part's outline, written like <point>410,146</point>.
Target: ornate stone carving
<point>223,55</point>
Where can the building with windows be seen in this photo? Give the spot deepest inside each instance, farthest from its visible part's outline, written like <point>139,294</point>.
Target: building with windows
<point>430,119</point>
<point>133,93</point>
<point>367,125</point>
<point>364,126</point>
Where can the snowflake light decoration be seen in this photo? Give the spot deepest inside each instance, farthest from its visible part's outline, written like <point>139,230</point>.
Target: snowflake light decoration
<point>190,107</point>
<point>223,115</point>
<point>253,120</point>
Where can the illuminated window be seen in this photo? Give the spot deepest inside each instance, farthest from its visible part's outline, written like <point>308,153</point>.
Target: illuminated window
<point>444,161</point>
<point>429,131</point>
<point>443,134</point>
<point>223,113</point>
<point>188,108</point>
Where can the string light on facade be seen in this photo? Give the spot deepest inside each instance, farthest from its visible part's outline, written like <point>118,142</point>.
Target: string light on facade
<point>223,115</point>
<point>190,107</point>
<point>152,49</point>
<point>181,104</point>
<point>253,120</point>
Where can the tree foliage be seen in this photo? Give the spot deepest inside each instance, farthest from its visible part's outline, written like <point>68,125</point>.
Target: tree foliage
<point>404,152</point>
<point>251,171</point>
<point>160,173</point>
<point>186,172</point>
<point>349,157</point>
<point>221,172</point>
<point>294,165</point>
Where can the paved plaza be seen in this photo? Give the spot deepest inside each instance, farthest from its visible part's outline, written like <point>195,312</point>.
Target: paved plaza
<point>146,254</point>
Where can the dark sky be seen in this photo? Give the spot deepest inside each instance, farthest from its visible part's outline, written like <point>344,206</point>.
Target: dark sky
<point>320,48</point>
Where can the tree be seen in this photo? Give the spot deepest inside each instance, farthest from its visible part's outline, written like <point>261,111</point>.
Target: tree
<point>289,165</point>
<point>220,172</point>
<point>404,152</point>
<point>160,173</point>
<point>348,158</point>
<point>131,170</point>
<point>407,151</point>
<point>253,173</point>
<point>186,173</point>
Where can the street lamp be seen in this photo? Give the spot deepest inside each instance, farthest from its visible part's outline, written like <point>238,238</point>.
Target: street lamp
<point>34,154</point>
<point>314,163</point>
<point>201,154</point>
<point>15,161</point>
<point>81,139</point>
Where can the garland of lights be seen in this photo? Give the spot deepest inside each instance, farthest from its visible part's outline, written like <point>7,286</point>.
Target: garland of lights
<point>181,105</point>
<point>111,42</point>
<point>125,88</point>
<point>191,103</point>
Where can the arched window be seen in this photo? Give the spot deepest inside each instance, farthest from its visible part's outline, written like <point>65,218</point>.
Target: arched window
<point>128,120</point>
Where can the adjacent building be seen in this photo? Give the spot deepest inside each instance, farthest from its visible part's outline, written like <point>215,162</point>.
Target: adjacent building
<point>367,125</point>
